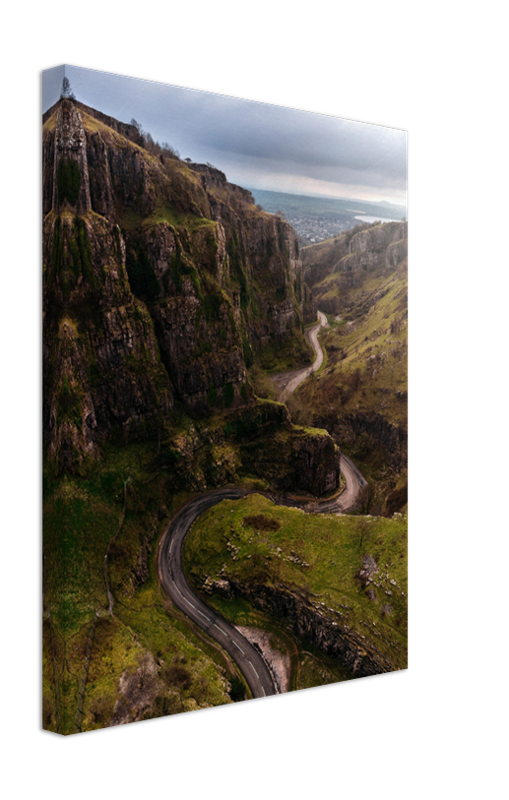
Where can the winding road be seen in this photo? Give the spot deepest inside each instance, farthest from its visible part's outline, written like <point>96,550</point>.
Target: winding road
<point>288,381</point>
<point>169,558</point>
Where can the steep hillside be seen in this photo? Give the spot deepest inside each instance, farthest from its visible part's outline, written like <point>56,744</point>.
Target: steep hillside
<point>162,283</point>
<point>337,268</point>
<point>360,395</point>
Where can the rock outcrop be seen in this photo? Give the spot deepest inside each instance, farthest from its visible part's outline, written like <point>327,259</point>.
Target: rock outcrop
<point>377,247</point>
<point>364,433</point>
<point>327,632</point>
<point>102,368</point>
<point>378,238</point>
<point>161,282</point>
<point>336,266</point>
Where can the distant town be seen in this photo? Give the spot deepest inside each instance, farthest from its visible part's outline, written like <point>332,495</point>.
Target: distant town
<point>317,218</point>
<point>314,229</point>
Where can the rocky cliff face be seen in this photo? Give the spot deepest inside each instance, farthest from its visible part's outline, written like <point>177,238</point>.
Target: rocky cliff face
<point>378,247</point>
<point>365,432</point>
<point>325,631</point>
<point>335,267</point>
<point>102,368</point>
<point>161,282</point>
<point>378,237</point>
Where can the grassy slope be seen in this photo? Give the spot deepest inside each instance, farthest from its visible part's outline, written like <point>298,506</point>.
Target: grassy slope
<point>84,519</point>
<point>369,346</point>
<point>366,372</point>
<point>223,543</point>
<point>80,517</point>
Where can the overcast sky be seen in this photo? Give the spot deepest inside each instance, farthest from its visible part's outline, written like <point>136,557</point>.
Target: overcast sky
<point>257,145</point>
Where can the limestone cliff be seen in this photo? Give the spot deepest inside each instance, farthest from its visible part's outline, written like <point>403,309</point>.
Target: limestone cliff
<point>102,368</point>
<point>336,266</point>
<point>161,283</point>
<point>327,632</point>
<point>378,238</point>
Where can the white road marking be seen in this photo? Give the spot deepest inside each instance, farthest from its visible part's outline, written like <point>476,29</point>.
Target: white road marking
<point>255,672</point>
<point>193,606</point>
<point>219,629</point>
<point>240,648</point>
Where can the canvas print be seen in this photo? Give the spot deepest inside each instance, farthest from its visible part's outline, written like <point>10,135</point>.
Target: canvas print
<point>225,400</point>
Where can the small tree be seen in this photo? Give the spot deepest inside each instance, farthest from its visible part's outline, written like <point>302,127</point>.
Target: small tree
<point>67,93</point>
<point>363,504</point>
<point>363,530</point>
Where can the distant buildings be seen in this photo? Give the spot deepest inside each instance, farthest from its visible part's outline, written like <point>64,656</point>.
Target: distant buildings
<point>315,229</point>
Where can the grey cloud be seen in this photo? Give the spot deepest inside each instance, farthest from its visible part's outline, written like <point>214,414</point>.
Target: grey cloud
<point>239,134</point>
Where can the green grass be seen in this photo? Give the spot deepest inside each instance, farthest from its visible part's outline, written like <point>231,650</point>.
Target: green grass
<point>80,517</point>
<point>223,544</point>
<point>375,347</point>
<point>291,353</point>
<point>84,519</point>
<point>311,431</point>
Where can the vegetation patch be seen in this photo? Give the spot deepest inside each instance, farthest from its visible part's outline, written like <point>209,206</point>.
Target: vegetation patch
<point>260,522</point>
<point>228,394</point>
<point>81,517</point>
<point>366,367</point>
<point>68,181</point>
<point>291,352</point>
<point>319,557</point>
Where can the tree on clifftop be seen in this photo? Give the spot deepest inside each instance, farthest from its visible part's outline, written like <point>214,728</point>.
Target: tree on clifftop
<point>67,93</point>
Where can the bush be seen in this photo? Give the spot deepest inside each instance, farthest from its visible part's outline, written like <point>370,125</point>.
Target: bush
<point>177,675</point>
<point>261,522</point>
<point>211,305</point>
<point>238,690</point>
<point>363,445</point>
<point>262,385</point>
<point>68,181</point>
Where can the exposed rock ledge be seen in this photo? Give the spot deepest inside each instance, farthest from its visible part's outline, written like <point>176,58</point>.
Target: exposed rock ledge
<point>334,638</point>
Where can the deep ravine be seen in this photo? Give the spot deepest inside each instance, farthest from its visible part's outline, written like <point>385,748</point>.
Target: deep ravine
<point>257,674</point>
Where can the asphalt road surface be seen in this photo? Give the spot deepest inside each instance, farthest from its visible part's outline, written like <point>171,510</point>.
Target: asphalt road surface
<point>288,381</point>
<point>171,573</point>
<point>174,583</point>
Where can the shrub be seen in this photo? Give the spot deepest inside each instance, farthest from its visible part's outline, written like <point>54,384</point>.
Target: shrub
<point>68,181</point>
<point>238,690</point>
<point>261,522</point>
<point>177,675</point>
